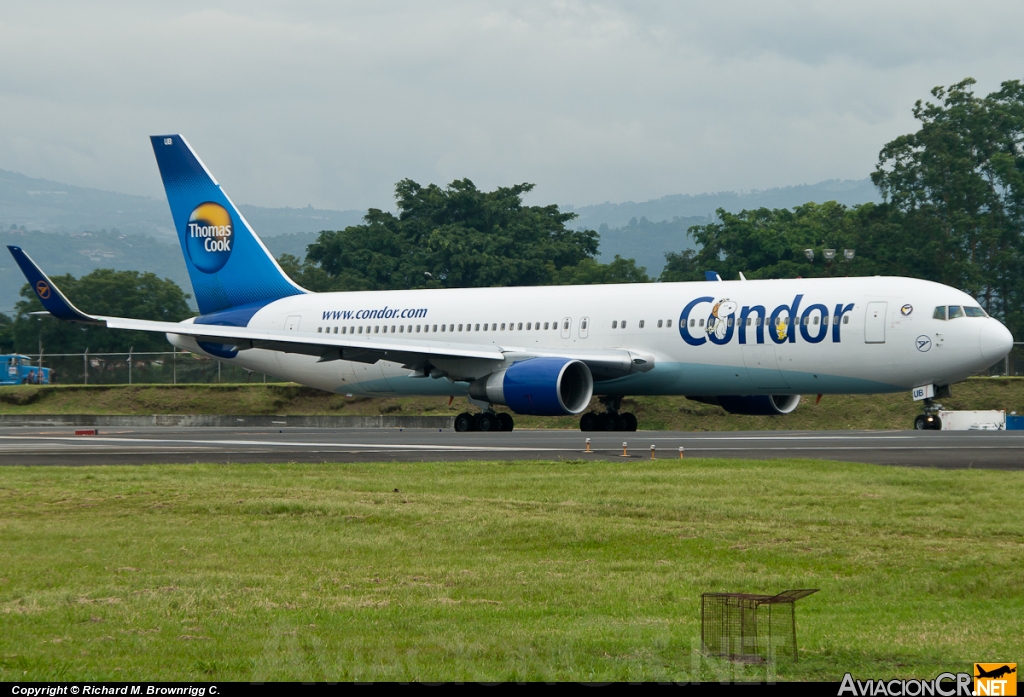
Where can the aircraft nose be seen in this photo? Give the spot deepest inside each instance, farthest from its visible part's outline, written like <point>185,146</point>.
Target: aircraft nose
<point>995,341</point>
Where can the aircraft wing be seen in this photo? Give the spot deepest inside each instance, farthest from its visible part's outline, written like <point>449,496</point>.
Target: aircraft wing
<point>416,354</point>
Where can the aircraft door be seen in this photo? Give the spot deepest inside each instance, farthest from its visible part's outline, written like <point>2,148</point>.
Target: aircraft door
<point>292,324</point>
<point>567,327</point>
<point>874,323</point>
<point>763,367</point>
<point>584,327</point>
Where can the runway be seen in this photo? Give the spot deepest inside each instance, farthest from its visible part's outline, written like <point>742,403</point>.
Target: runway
<point>59,446</point>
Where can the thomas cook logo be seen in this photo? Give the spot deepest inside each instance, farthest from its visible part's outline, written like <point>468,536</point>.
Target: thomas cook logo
<point>995,679</point>
<point>43,289</point>
<point>210,235</point>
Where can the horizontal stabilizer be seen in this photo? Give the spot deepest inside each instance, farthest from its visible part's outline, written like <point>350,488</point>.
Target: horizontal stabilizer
<point>49,295</point>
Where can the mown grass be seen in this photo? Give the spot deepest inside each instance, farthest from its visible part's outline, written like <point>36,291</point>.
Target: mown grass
<point>499,571</point>
<point>888,411</point>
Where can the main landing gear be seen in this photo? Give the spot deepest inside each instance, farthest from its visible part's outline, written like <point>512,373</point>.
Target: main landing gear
<point>610,419</point>
<point>929,420</point>
<point>484,421</point>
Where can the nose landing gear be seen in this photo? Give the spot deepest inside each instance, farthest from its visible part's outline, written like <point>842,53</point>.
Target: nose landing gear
<point>929,420</point>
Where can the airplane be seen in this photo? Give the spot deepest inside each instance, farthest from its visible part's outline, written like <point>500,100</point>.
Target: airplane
<point>750,346</point>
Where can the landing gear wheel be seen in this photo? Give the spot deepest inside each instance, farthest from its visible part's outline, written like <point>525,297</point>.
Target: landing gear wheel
<point>628,420</point>
<point>505,422</point>
<point>920,423</point>
<point>589,421</point>
<point>936,423</point>
<point>486,422</point>
<point>611,422</point>
<point>464,422</point>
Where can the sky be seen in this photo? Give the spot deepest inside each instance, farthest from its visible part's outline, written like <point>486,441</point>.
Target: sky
<point>331,103</point>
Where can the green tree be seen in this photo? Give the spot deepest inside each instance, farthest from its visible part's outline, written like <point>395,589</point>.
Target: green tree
<point>957,188</point>
<point>681,266</point>
<point>457,237</point>
<point>770,243</point>
<point>591,271</point>
<point>6,334</point>
<point>101,292</point>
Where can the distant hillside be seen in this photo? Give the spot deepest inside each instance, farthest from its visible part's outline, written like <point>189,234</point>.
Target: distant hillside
<point>647,242</point>
<point>49,206</point>
<point>615,215</point>
<point>73,229</point>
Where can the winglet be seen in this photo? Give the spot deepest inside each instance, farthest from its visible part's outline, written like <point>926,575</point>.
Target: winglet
<point>49,295</point>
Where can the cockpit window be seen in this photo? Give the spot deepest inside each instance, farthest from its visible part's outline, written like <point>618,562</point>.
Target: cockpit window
<point>940,313</point>
<point>955,311</point>
<point>974,311</point>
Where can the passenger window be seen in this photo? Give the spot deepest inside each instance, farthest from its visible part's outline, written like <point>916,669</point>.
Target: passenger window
<point>478,328</point>
<point>660,323</point>
<point>460,327</point>
<point>701,323</point>
<point>546,325</point>
<point>319,330</point>
<point>566,325</point>
<point>401,329</point>
<point>641,324</point>
<point>759,320</point>
<point>816,319</point>
<point>669,324</point>
<point>583,324</point>
<point>846,319</point>
<point>731,321</point>
<point>451,327</point>
<point>615,324</point>
<point>392,329</point>
<point>623,324</point>
<point>502,326</point>
<point>376,329</point>
<point>955,311</point>
<point>974,311</point>
<point>410,329</point>
<point>434,328</point>
<point>529,325</point>
<point>520,327</point>
<point>494,327</point>
<point>442,327</point>
<point>693,323</point>
<point>940,313</point>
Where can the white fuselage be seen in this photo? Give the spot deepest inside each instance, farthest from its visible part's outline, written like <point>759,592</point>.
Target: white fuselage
<point>847,335</point>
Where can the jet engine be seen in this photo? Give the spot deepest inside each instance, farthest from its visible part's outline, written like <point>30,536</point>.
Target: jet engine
<point>543,386</point>
<point>760,405</point>
<point>754,405</point>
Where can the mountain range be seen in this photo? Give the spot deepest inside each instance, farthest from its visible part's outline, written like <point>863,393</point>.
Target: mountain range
<point>73,229</point>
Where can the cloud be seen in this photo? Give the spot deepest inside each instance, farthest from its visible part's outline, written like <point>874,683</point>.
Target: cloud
<point>331,103</point>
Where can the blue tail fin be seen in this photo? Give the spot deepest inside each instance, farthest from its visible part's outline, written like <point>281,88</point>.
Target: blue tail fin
<point>228,264</point>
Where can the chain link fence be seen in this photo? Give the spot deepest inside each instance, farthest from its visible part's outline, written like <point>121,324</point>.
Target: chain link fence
<point>165,367</point>
<point>172,367</point>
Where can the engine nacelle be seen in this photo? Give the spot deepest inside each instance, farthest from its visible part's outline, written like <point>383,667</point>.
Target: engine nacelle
<point>760,405</point>
<point>544,386</point>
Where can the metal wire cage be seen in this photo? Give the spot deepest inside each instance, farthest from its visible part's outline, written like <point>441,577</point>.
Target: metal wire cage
<point>748,627</point>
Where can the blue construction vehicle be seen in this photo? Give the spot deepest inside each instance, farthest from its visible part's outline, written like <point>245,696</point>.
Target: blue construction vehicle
<point>16,369</point>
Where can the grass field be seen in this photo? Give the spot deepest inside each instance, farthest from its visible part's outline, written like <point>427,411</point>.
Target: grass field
<point>891,411</point>
<point>499,571</point>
